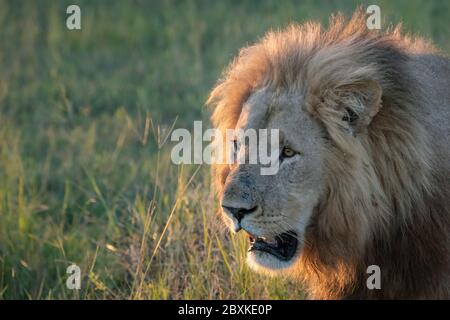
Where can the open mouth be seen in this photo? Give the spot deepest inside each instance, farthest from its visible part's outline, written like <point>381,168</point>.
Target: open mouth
<point>283,246</point>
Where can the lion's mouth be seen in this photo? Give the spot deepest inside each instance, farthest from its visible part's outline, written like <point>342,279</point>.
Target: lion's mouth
<point>283,246</point>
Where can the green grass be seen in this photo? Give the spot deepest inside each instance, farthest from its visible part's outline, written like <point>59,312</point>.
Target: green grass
<point>85,171</point>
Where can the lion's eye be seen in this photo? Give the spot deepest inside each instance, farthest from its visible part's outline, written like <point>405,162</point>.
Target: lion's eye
<point>287,152</point>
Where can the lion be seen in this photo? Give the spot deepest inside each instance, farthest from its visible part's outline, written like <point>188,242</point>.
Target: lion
<point>364,175</point>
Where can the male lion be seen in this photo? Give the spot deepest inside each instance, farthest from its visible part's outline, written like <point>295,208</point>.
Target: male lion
<point>364,175</point>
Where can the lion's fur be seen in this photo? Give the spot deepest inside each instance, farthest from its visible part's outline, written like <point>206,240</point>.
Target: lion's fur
<point>386,201</point>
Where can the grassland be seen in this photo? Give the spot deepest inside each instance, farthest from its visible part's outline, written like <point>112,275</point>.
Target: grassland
<point>85,170</point>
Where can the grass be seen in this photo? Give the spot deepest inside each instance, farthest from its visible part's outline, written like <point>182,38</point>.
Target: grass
<point>85,170</point>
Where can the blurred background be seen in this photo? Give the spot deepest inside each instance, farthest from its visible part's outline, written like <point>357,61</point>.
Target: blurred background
<point>85,170</point>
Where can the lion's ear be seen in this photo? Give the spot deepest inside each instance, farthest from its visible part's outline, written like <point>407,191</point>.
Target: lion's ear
<point>359,103</point>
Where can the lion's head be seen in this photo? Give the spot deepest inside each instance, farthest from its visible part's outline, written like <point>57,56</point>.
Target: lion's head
<point>354,162</point>
<point>275,209</point>
<point>304,83</point>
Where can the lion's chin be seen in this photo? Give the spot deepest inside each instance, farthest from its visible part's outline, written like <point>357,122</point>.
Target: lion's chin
<point>273,254</point>
<point>266,263</point>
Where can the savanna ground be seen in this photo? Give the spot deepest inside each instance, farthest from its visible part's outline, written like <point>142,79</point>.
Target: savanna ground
<point>85,170</point>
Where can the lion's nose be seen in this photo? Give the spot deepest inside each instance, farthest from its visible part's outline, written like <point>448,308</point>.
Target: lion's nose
<point>238,213</point>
